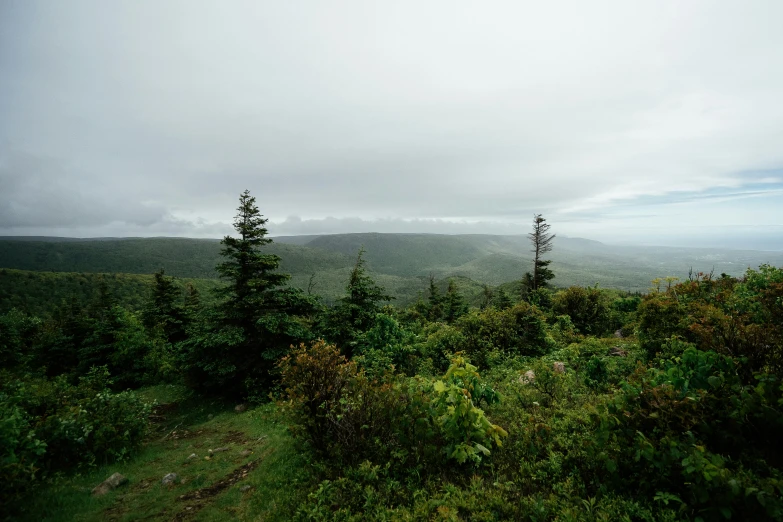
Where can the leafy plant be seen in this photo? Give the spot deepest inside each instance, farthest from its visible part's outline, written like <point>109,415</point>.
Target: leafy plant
<point>467,430</point>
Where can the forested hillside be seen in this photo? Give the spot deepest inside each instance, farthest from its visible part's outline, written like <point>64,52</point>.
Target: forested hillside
<point>401,262</point>
<point>42,293</point>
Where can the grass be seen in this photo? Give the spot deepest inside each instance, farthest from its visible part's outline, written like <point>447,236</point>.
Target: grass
<point>260,453</point>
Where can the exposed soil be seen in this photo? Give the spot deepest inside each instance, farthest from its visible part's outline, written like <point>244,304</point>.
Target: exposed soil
<point>236,437</point>
<point>196,500</point>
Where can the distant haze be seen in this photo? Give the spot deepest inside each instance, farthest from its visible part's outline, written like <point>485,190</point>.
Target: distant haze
<point>655,122</point>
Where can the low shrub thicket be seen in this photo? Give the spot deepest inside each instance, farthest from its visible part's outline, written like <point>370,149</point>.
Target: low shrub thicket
<point>52,426</point>
<point>413,422</point>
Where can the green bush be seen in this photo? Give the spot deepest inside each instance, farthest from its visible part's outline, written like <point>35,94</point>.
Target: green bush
<point>661,316</point>
<point>413,422</point>
<point>519,330</point>
<point>17,334</point>
<point>468,432</point>
<point>82,425</point>
<point>596,373</point>
<point>21,451</point>
<point>692,432</point>
<point>588,308</point>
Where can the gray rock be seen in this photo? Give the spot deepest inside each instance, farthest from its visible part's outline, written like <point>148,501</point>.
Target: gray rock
<point>113,482</point>
<point>618,352</point>
<point>245,453</point>
<point>171,478</point>
<point>239,408</point>
<point>245,488</point>
<point>618,334</point>
<point>219,450</point>
<point>529,377</point>
<point>192,456</point>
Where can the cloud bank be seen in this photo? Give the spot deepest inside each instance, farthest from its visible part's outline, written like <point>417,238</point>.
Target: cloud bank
<point>632,121</point>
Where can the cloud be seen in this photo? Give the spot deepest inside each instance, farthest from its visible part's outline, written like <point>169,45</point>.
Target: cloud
<point>397,116</point>
<point>40,192</point>
<point>294,225</point>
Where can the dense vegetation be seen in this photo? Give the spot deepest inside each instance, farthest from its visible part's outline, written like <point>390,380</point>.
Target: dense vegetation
<point>401,263</point>
<point>548,404</point>
<point>43,293</point>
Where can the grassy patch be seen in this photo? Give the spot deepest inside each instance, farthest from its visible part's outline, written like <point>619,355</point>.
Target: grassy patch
<point>233,451</point>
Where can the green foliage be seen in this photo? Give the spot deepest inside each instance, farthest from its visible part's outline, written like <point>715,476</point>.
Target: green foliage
<point>346,416</point>
<point>386,346</point>
<point>356,312</point>
<point>596,373</point>
<point>660,317</point>
<point>236,347</point>
<point>351,418</point>
<point>739,318</point>
<point>454,305</point>
<point>166,309</point>
<point>690,430</point>
<point>588,308</point>
<point>18,332</point>
<point>468,432</point>
<point>502,300</point>
<point>520,330</point>
<point>51,426</point>
<point>20,449</point>
<point>43,294</point>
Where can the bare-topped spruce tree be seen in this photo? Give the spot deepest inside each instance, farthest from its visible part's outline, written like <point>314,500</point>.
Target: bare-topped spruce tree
<point>542,243</point>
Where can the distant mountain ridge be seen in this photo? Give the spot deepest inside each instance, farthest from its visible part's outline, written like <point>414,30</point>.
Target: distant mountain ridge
<point>401,262</point>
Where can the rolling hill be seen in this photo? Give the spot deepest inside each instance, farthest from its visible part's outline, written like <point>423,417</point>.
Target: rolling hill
<point>402,263</point>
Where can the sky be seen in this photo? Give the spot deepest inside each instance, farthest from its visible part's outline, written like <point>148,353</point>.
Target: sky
<point>655,122</point>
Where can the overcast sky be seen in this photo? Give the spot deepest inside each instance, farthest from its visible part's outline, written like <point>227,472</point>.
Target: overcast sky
<point>648,122</point>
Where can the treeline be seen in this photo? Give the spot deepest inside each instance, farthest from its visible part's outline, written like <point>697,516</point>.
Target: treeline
<point>44,294</point>
<point>574,404</point>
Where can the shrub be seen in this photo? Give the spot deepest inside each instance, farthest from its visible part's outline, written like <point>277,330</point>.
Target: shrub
<point>349,418</point>
<point>519,330</point>
<point>596,373</point>
<point>466,429</point>
<point>20,448</point>
<point>85,424</point>
<point>690,431</point>
<point>17,334</point>
<point>588,309</point>
<point>660,317</point>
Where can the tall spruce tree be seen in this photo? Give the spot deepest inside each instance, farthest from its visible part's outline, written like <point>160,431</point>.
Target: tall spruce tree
<point>252,276</point>
<point>542,243</point>
<point>259,317</point>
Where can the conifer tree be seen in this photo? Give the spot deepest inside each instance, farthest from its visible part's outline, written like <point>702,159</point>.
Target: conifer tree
<point>192,299</point>
<point>259,318</point>
<point>454,304</point>
<point>486,297</point>
<point>356,312</point>
<point>436,301</point>
<point>252,276</point>
<point>502,300</point>
<point>163,309</point>
<point>542,243</point>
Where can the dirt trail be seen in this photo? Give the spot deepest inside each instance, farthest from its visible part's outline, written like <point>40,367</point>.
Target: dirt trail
<point>196,500</point>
